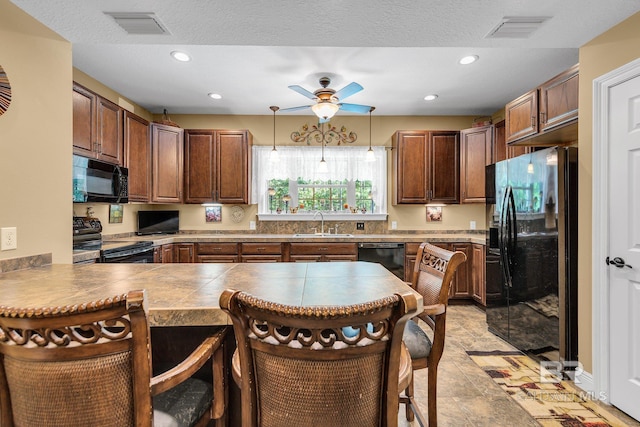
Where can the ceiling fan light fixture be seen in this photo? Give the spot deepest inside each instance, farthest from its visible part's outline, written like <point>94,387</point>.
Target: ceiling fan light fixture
<point>470,59</point>
<point>325,110</point>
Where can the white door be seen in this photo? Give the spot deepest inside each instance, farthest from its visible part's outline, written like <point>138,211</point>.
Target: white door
<point>624,244</point>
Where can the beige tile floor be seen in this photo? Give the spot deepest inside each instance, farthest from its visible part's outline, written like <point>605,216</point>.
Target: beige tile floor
<point>466,395</point>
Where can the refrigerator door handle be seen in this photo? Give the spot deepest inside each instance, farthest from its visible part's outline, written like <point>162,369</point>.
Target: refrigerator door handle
<point>503,238</point>
<point>510,239</point>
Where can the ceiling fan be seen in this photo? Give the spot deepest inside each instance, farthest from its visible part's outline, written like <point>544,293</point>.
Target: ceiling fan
<point>328,100</point>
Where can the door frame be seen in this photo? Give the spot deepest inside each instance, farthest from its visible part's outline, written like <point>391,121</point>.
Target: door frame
<point>600,223</point>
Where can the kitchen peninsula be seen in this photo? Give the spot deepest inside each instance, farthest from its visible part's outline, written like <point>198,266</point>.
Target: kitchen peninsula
<point>187,294</point>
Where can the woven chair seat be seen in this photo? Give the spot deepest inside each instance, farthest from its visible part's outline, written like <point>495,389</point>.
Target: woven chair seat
<point>183,405</point>
<point>416,340</point>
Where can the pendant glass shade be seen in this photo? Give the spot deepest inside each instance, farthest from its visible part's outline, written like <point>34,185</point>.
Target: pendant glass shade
<point>325,110</point>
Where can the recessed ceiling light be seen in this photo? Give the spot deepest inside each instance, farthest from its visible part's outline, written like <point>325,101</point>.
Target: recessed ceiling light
<point>215,96</point>
<point>180,56</point>
<point>468,59</point>
<point>430,97</point>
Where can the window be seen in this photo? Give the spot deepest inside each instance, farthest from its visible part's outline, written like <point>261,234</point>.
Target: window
<point>350,184</point>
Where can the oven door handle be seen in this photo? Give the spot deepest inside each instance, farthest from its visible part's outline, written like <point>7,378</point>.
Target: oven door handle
<point>117,256</point>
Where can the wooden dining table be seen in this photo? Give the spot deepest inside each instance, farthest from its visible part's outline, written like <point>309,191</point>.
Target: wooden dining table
<point>187,294</point>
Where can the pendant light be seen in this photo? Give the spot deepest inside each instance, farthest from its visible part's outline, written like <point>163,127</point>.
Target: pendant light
<point>274,157</point>
<point>530,166</point>
<point>370,157</point>
<point>322,168</point>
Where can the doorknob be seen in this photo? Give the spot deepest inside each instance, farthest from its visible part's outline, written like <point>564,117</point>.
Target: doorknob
<point>618,262</point>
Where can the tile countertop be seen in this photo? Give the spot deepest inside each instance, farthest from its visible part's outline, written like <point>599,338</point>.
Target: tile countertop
<point>478,238</point>
<point>187,294</point>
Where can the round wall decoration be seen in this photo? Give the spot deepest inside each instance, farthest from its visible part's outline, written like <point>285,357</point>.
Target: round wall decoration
<point>5,91</point>
<point>237,213</point>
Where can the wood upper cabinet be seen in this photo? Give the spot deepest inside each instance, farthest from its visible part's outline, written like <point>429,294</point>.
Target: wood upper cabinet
<point>217,166</point>
<point>552,105</point>
<point>475,146</point>
<point>137,149</point>
<point>97,126</point>
<point>167,145</point>
<point>500,149</point>
<point>426,167</point>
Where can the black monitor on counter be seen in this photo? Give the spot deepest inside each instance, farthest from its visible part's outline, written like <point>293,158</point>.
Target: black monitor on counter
<point>158,222</point>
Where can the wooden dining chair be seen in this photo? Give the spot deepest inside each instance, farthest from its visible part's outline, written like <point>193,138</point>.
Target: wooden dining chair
<point>432,275</point>
<point>90,365</point>
<point>318,366</point>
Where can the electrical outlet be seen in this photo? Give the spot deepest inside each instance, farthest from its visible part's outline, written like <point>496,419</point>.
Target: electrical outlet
<point>8,238</point>
<point>394,225</point>
<point>472,225</point>
<point>359,225</point>
<point>252,225</point>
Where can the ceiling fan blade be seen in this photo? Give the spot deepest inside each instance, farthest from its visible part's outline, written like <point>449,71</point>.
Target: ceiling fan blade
<point>302,91</point>
<point>302,107</point>
<point>348,90</point>
<point>355,108</point>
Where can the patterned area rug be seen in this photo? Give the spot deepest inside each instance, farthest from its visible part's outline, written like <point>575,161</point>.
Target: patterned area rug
<point>551,401</point>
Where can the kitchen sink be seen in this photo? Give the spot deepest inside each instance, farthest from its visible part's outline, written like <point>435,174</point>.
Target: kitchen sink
<point>321,235</point>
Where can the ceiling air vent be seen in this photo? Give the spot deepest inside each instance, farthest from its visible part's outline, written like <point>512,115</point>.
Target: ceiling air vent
<point>512,27</point>
<point>138,23</point>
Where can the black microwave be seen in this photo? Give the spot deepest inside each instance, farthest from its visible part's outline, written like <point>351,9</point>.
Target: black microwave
<point>96,181</point>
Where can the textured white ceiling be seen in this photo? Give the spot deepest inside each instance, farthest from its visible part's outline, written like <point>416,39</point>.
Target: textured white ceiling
<point>399,51</point>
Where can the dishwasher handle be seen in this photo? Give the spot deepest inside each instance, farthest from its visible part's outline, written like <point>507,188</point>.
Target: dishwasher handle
<point>380,245</point>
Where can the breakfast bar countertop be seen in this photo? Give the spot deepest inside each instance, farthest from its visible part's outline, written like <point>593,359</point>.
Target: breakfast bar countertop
<point>187,294</point>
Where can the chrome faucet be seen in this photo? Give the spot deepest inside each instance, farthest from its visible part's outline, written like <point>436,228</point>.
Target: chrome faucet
<point>321,222</point>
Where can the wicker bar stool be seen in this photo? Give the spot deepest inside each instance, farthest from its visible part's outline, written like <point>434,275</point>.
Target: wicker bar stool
<point>432,275</point>
<point>319,366</point>
<point>90,365</point>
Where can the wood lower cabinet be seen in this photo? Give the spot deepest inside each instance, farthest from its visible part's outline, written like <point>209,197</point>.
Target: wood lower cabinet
<point>217,166</point>
<point>97,126</point>
<point>460,285</point>
<point>167,146</point>
<point>163,253</point>
<point>323,252</point>
<point>475,146</point>
<point>184,252</point>
<point>478,273</point>
<point>137,148</point>
<point>217,252</point>
<point>261,252</point>
<point>426,167</point>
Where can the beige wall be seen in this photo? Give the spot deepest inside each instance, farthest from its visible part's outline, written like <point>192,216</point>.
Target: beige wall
<point>612,49</point>
<point>35,135</point>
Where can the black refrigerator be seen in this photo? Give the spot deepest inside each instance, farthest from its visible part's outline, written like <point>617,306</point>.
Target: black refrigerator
<point>531,258</point>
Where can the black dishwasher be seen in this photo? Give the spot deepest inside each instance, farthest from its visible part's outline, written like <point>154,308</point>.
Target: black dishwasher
<point>390,255</point>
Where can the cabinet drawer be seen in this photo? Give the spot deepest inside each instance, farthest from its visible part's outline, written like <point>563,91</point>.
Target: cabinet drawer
<point>217,248</point>
<point>216,259</point>
<point>323,248</point>
<point>411,248</point>
<point>261,248</point>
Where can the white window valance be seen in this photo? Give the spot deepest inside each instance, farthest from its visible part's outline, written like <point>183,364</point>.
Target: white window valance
<point>303,162</point>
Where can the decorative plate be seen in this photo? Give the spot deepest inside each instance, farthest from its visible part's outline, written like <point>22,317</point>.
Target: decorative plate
<point>5,91</point>
<point>237,213</point>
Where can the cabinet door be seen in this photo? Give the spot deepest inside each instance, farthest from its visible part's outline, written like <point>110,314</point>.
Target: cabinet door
<point>233,172</point>
<point>499,152</point>
<point>167,253</point>
<point>137,147</point>
<point>199,163</point>
<point>474,143</point>
<point>521,116</point>
<point>109,131</point>
<point>167,150</point>
<point>444,164</point>
<point>84,121</point>
<point>184,252</point>
<point>477,273</point>
<point>559,99</point>
<point>410,167</point>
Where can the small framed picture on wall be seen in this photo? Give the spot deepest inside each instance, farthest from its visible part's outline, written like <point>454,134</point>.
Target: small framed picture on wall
<point>434,213</point>
<point>115,214</point>
<point>213,213</point>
